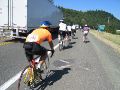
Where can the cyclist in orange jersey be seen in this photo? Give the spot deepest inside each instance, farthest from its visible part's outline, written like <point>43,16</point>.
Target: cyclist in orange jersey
<point>35,39</point>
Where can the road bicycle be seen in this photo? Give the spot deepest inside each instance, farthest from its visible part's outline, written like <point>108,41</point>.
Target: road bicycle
<point>31,76</point>
<point>63,42</point>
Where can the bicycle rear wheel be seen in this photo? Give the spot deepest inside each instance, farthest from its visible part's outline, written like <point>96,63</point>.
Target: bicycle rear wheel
<point>26,79</point>
<point>60,45</point>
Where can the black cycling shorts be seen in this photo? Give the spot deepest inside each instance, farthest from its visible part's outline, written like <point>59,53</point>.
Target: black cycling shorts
<point>63,33</point>
<point>69,33</point>
<point>32,48</point>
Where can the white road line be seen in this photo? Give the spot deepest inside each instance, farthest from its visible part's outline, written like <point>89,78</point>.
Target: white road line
<point>62,67</point>
<point>64,61</point>
<point>15,78</point>
<point>10,82</point>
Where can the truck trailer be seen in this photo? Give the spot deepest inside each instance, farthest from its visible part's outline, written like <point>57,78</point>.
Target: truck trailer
<point>21,16</point>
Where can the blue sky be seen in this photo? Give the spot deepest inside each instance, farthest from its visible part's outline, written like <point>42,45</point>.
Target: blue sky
<point>111,6</point>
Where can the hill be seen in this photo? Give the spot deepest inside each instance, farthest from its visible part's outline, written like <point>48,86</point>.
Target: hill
<point>93,18</point>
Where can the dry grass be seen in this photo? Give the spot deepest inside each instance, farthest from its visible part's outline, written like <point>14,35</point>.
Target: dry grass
<point>110,39</point>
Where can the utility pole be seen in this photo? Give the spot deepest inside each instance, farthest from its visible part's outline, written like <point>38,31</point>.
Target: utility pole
<point>108,20</point>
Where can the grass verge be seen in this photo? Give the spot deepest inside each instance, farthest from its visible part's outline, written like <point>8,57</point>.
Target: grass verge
<point>108,38</point>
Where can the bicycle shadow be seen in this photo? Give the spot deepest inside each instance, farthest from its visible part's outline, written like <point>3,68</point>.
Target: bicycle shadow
<point>67,47</point>
<point>87,41</point>
<point>72,42</point>
<point>75,38</point>
<point>54,76</point>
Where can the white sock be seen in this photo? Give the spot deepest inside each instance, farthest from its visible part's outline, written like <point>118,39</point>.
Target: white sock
<point>38,66</point>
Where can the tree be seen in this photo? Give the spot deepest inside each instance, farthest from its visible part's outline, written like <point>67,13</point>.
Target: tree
<point>93,18</point>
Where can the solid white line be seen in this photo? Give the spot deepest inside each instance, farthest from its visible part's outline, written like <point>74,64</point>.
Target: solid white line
<point>15,78</point>
<point>10,81</point>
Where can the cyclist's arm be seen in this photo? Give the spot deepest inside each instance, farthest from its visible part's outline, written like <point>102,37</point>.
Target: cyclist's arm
<point>50,41</point>
<point>51,45</point>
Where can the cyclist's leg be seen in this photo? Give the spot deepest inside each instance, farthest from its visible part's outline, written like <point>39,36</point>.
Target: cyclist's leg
<point>64,37</point>
<point>68,37</point>
<point>43,53</point>
<point>61,41</point>
<point>83,36</point>
<point>29,56</point>
<point>72,33</point>
<point>40,50</point>
<point>28,51</point>
<point>59,36</point>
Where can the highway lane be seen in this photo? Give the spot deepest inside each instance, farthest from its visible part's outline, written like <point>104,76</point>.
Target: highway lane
<point>12,59</point>
<point>90,66</point>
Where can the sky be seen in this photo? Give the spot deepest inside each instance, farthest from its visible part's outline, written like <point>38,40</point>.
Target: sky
<point>111,6</point>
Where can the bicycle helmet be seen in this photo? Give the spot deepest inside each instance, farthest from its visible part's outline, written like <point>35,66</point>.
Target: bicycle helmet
<point>61,20</point>
<point>85,24</point>
<point>45,24</point>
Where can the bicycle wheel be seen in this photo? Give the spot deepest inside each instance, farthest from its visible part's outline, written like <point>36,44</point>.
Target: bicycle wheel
<point>45,69</point>
<point>26,79</point>
<point>60,45</point>
<point>66,41</point>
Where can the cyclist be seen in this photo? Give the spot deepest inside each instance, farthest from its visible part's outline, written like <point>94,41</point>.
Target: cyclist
<point>35,39</point>
<point>73,30</point>
<point>62,30</point>
<point>69,27</point>
<point>85,31</point>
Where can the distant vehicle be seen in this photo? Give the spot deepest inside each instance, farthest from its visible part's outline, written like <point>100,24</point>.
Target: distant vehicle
<point>20,16</point>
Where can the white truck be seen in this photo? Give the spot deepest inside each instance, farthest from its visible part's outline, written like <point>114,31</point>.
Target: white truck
<point>20,16</point>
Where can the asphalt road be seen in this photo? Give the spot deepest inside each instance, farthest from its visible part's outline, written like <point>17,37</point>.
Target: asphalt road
<point>81,66</point>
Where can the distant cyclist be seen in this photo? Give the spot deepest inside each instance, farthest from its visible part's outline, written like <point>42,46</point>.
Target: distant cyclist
<point>35,39</point>
<point>69,28</point>
<point>73,30</point>
<point>62,29</point>
<point>85,31</point>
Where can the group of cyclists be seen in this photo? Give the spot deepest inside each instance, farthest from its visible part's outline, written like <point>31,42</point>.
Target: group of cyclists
<point>70,30</point>
<point>34,40</point>
<point>66,30</point>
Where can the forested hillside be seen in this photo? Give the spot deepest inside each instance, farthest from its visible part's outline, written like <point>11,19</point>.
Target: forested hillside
<point>92,18</point>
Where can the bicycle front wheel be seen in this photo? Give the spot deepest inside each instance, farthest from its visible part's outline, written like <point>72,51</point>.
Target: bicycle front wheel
<point>26,79</point>
<point>45,69</point>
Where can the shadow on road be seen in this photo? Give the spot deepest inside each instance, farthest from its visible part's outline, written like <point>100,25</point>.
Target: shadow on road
<point>16,40</point>
<point>75,38</point>
<point>86,41</point>
<point>52,78</point>
<point>67,47</point>
<point>72,42</point>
